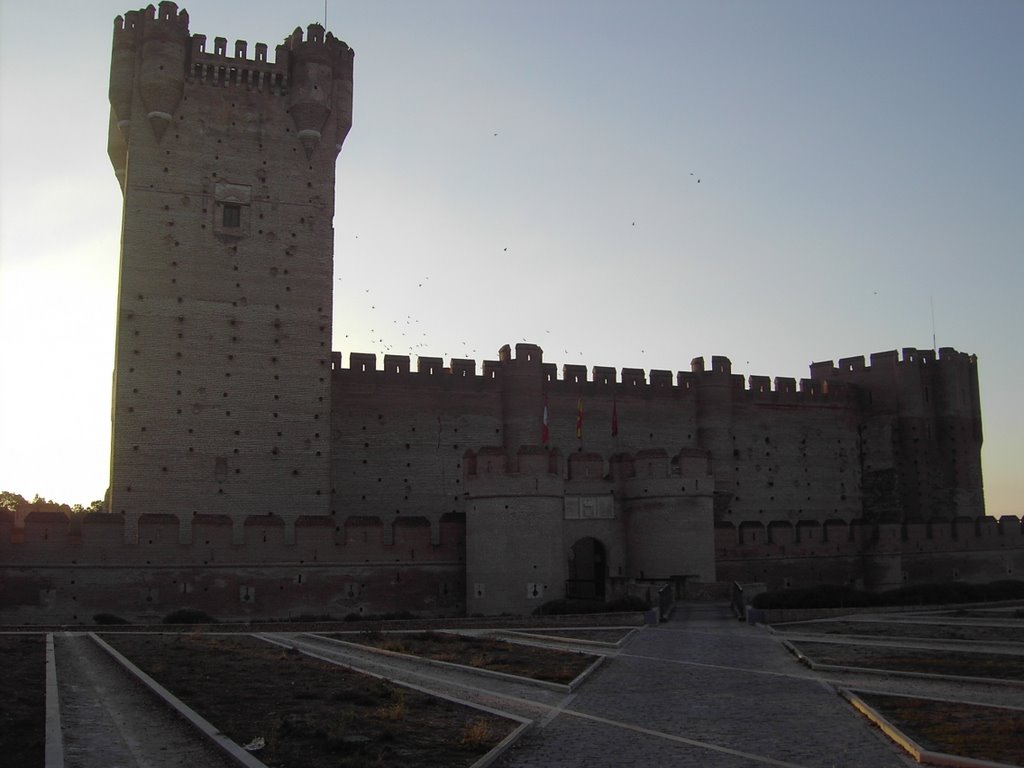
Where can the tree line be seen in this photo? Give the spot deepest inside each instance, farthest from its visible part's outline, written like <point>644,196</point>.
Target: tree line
<point>21,506</point>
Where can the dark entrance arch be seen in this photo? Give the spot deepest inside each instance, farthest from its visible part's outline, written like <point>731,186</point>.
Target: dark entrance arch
<point>588,570</point>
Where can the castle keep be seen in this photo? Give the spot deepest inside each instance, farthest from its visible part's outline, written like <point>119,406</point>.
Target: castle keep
<point>222,364</point>
<point>255,473</point>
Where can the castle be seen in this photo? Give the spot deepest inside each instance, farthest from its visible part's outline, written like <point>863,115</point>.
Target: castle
<point>253,474</point>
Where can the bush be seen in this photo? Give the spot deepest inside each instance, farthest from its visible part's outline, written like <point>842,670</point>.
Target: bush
<point>836,596</point>
<point>627,604</point>
<point>1007,589</point>
<point>567,607</point>
<point>108,619</point>
<point>821,596</point>
<point>189,616</point>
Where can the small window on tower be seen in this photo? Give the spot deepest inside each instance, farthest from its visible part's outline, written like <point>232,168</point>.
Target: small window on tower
<point>232,215</point>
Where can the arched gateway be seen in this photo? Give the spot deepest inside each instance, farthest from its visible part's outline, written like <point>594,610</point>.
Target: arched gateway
<point>588,570</point>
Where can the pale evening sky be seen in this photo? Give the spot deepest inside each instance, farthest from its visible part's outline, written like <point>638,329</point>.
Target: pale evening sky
<point>528,171</point>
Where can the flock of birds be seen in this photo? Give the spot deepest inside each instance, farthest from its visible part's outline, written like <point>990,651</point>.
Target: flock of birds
<point>408,335</point>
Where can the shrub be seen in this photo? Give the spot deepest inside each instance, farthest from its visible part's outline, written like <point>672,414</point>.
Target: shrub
<point>836,596</point>
<point>627,604</point>
<point>569,607</point>
<point>1007,589</point>
<point>109,618</point>
<point>189,616</point>
<point>477,734</point>
<point>392,616</point>
<point>311,618</point>
<point>820,596</point>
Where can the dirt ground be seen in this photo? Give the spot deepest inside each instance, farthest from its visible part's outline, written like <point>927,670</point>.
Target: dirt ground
<point>982,733</point>
<point>1002,666</point>
<point>308,712</point>
<point>23,699</point>
<point>485,653</point>
<point>909,630</point>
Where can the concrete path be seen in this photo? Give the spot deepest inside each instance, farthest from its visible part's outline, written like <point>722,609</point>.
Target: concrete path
<point>519,698</point>
<point>705,690</point>
<point>700,690</point>
<point>108,720</point>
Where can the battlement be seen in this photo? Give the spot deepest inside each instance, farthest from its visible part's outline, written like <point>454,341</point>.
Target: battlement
<point>830,538</point>
<point>889,361</point>
<point>395,366</point>
<point>647,463</point>
<point>575,376</point>
<point>222,68</point>
<point>100,538</point>
<point>219,68</point>
<point>134,22</point>
<point>153,49</point>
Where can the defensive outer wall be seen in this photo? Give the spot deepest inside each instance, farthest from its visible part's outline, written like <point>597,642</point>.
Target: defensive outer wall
<point>254,475</point>
<point>432,511</point>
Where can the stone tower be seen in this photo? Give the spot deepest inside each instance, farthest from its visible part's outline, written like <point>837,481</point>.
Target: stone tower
<point>221,392</point>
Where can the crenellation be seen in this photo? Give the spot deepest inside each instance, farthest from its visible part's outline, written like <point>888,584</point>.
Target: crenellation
<point>633,377</point>
<point>813,387</point>
<point>431,366</point>
<point>851,364</point>
<point>585,466</point>
<point>920,356</point>
<point>574,374</point>
<point>885,360</point>
<point>396,364</point>
<point>661,379</point>
<point>759,384</point>
<point>623,380</point>
<point>362,362</point>
<point>785,385</point>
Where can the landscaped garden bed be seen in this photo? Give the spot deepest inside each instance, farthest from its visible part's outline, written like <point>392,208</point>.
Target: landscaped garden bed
<point>482,652</point>
<point>914,660</point>
<point>967,730</point>
<point>824,596</point>
<point>23,699</point>
<point>909,629</point>
<point>309,712</point>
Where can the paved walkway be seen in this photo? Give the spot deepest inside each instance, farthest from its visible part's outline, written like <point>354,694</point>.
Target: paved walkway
<point>700,690</point>
<point>108,720</point>
<point>706,690</point>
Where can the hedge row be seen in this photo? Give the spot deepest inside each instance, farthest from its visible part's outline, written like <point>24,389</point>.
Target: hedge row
<point>834,596</point>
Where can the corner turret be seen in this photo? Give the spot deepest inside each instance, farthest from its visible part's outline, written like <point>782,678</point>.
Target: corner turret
<point>321,80</point>
<point>162,66</point>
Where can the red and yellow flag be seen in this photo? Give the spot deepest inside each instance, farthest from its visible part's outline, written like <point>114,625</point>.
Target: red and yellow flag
<point>579,418</point>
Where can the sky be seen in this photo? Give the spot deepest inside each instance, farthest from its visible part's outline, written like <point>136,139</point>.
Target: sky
<point>624,184</point>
